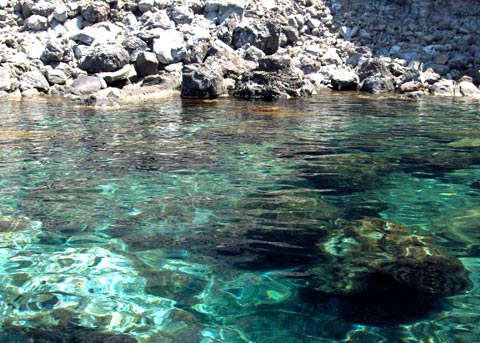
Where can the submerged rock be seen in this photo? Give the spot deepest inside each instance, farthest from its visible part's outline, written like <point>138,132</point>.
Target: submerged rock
<point>375,255</point>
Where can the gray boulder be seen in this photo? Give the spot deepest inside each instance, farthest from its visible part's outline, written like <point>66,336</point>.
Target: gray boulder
<point>57,50</point>
<point>134,47</point>
<point>219,10</point>
<point>372,66</point>
<point>84,84</point>
<point>92,34</point>
<point>467,88</point>
<point>104,58</point>
<point>33,79</point>
<point>261,34</point>
<point>5,79</point>
<point>275,63</point>
<point>201,81</point>
<point>126,73</point>
<point>36,22</point>
<point>146,63</point>
<point>169,47</point>
<point>378,83</point>
<point>43,8</point>
<point>182,15</point>
<point>56,76</point>
<point>60,13</point>
<point>344,79</point>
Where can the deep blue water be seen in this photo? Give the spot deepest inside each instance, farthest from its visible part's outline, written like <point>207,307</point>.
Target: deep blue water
<point>190,221</point>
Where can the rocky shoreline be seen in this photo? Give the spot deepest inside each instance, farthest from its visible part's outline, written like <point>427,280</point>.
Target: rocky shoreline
<point>105,52</point>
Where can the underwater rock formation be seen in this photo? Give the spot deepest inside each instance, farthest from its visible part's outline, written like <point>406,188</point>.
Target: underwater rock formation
<point>374,255</point>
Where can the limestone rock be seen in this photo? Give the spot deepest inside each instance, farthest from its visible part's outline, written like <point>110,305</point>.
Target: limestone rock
<point>467,88</point>
<point>57,50</point>
<point>104,58</point>
<point>378,83</point>
<point>5,79</point>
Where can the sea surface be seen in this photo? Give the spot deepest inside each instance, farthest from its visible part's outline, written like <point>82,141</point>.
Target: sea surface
<point>197,221</point>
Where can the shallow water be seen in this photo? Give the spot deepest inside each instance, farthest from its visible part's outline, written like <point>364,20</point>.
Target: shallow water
<point>188,221</point>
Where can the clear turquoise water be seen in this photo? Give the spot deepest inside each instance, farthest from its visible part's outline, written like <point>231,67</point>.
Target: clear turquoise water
<point>177,221</point>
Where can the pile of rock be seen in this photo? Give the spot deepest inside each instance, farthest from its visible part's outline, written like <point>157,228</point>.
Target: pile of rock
<point>247,48</point>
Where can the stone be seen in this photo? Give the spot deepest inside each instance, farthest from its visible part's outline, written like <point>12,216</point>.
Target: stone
<point>73,25</point>
<point>33,79</point>
<point>95,11</point>
<point>372,66</point>
<point>182,15</point>
<point>200,81</point>
<point>331,56</point>
<point>146,63</point>
<point>169,47</point>
<point>378,83</point>
<point>443,88</point>
<point>104,58</point>
<point>43,8</point>
<point>134,47</point>
<point>84,84</point>
<point>261,34</point>
<point>91,34</point>
<point>275,63</point>
<point>57,50</point>
<point>5,79</point>
<point>344,79</point>
<point>429,76</point>
<point>56,76</point>
<point>126,73</point>
<point>224,8</point>
<point>36,22</point>
<point>254,54</point>
<point>145,5</point>
<point>60,13</point>
<point>197,54</point>
<point>467,88</point>
<point>375,255</point>
<point>410,86</point>
<point>108,97</point>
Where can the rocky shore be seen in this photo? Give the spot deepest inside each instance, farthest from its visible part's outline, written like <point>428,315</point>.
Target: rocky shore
<point>107,51</point>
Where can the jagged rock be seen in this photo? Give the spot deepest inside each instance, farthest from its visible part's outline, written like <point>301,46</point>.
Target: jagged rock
<point>254,54</point>
<point>95,12</point>
<point>219,10</point>
<point>372,66</point>
<point>271,86</point>
<point>275,63</point>
<point>261,34</point>
<point>378,83</point>
<point>33,79</point>
<point>169,46</point>
<point>201,81</point>
<point>126,73</point>
<point>344,79</point>
<point>182,15</point>
<point>146,63</point>
<point>60,12</point>
<point>134,47</point>
<point>43,8</point>
<point>73,25</point>
<point>57,50</point>
<point>374,255</point>
<point>36,22</point>
<point>429,76</point>
<point>197,54</point>
<point>104,58</point>
<point>84,84</point>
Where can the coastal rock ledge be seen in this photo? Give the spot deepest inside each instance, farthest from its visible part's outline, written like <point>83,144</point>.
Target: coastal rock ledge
<point>254,49</point>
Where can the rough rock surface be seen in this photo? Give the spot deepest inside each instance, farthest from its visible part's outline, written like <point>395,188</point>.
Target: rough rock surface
<point>260,49</point>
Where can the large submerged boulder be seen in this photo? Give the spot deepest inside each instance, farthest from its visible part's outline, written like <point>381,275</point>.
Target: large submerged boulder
<point>375,255</point>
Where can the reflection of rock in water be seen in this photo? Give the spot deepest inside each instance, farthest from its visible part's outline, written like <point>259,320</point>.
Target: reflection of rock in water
<point>374,255</point>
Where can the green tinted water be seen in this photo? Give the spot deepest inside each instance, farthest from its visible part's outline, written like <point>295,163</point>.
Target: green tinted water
<point>192,222</point>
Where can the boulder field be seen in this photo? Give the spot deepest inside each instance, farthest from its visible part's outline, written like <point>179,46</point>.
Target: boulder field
<point>107,51</point>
